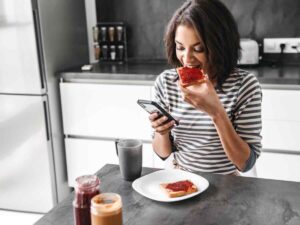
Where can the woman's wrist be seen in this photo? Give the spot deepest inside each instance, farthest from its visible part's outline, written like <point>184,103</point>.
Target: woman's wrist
<point>219,115</point>
<point>162,136</point>
<point>162,144</point>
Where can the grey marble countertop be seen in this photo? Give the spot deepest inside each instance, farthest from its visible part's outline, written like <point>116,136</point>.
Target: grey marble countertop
<point>228,200</point>
<point>286,77</point>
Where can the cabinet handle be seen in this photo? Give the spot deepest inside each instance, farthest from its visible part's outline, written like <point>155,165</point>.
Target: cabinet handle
<point>37,31</point>
<point>46,120</point>
<point>287,152</point>
<point>116,144</point>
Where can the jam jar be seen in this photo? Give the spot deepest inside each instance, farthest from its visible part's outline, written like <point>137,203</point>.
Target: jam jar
<point>86,187</point>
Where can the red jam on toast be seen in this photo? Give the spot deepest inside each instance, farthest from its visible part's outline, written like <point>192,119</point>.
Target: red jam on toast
<point>179,188</point>
<point>190,76</point>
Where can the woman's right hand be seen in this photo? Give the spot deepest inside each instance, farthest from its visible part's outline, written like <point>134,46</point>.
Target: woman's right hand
<point>159,125</point>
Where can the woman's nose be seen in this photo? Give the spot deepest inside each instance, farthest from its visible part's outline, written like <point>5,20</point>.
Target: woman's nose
<point>188,57</point>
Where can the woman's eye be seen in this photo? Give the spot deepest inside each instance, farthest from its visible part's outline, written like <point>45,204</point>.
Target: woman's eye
<point>179,48</point>
<point>199,49</point>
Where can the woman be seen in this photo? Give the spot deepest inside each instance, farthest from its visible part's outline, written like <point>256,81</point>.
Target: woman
<point>220,119</point>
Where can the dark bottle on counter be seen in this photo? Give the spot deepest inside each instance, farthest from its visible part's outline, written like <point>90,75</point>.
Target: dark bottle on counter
<point>86,187</point>
<point>104,51</point>
<point>120,52</point>
<point>97,51</point>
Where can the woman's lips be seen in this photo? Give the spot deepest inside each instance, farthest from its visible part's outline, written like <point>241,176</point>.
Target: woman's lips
<point>193,66</point>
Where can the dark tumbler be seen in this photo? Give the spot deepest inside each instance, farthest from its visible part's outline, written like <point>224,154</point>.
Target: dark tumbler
<point>130,153</point>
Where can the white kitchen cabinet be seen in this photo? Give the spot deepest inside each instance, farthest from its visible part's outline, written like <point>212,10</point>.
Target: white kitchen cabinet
<point>281,105</point>
<point>280,158</point>
<point>281,135</point>
<point>281,119</point>
<point>110,111</point>
<point>105,110</point>
<point>279,166</point>
<point>87,156</point>
<point>94,115</point>
<point>148,156</point>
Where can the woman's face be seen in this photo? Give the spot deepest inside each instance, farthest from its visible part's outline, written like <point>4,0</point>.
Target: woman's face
<point>189,48</point>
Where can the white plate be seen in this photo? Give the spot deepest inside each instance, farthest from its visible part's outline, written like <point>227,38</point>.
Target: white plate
<point>149,185</point>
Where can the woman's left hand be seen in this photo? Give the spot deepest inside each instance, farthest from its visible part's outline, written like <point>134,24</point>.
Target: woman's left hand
<point>203,97</point>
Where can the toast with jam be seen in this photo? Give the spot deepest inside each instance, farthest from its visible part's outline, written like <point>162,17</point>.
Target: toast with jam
<point>179,188</point>
<point>190,76</point>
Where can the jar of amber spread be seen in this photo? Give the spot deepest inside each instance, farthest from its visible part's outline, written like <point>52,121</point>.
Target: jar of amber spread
<point>86,187</point>
<point>106,209</point>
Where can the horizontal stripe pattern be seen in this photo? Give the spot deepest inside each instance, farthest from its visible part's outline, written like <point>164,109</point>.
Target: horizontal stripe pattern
<point>196,139</point>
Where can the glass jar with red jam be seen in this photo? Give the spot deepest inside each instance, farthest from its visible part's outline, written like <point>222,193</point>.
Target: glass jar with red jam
<point>86,187</point>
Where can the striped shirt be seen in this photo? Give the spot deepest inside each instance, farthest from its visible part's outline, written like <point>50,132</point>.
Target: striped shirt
<point>198,146</point>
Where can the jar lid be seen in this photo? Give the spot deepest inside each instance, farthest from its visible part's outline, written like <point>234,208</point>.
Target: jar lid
<point>106,204</point>
<point>87,181</point>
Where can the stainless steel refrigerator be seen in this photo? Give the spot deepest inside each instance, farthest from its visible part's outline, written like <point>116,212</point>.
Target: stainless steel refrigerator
<point>38,39</point>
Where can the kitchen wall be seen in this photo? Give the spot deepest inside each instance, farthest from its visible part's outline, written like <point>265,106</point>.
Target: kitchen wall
<point>146,20</point>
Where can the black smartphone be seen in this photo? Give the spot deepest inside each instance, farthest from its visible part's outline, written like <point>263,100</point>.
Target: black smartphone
<point>151,107</point>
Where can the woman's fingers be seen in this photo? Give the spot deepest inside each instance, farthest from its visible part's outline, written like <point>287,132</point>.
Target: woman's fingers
<point>162,129</point>
<point>153,116</point>
<point>183,89</point>
<point>208,82</point>
<point>165,131</point>
<point>158,122</point>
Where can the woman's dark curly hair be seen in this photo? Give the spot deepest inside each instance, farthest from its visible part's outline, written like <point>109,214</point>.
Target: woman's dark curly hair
<point>217,28</point>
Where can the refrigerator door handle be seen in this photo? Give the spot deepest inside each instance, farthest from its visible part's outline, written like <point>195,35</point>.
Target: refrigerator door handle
<point>37,30</point>
<point>46,120</point>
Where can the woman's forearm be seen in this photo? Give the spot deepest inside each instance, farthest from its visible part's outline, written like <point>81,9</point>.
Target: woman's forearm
<point>162,144</point>
<point>236,149</point>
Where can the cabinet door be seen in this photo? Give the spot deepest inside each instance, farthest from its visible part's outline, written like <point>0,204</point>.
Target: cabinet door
<point>278,166</point>
<point>281,105</point>
<point>281,135</point>
<point>26,166</point>
<point>105,110</point>
<point>148,155</point>
<point>281,119</point>
<point>86,156</point>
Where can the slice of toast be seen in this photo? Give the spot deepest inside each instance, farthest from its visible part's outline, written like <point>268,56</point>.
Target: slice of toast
<point>179,188</point>
<point>190,76</point>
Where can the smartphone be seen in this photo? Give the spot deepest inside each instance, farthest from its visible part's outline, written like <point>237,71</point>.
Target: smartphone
<point>151,107</point>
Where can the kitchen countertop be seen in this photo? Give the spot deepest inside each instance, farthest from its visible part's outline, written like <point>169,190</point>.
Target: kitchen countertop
<point>285,77</point>
<point>128,73</point>
<point>228,200</point>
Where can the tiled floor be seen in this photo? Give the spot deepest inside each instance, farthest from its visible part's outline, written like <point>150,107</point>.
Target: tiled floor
<point>17,218</point>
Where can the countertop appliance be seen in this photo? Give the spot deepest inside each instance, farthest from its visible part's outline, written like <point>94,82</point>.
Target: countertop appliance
<point>38,38</point>
<point>249,53</point>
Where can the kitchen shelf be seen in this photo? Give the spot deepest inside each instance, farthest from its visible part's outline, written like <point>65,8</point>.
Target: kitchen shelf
<point>112,42</point>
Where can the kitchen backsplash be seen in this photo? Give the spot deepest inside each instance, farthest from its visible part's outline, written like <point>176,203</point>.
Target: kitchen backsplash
<point>146,21</point>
